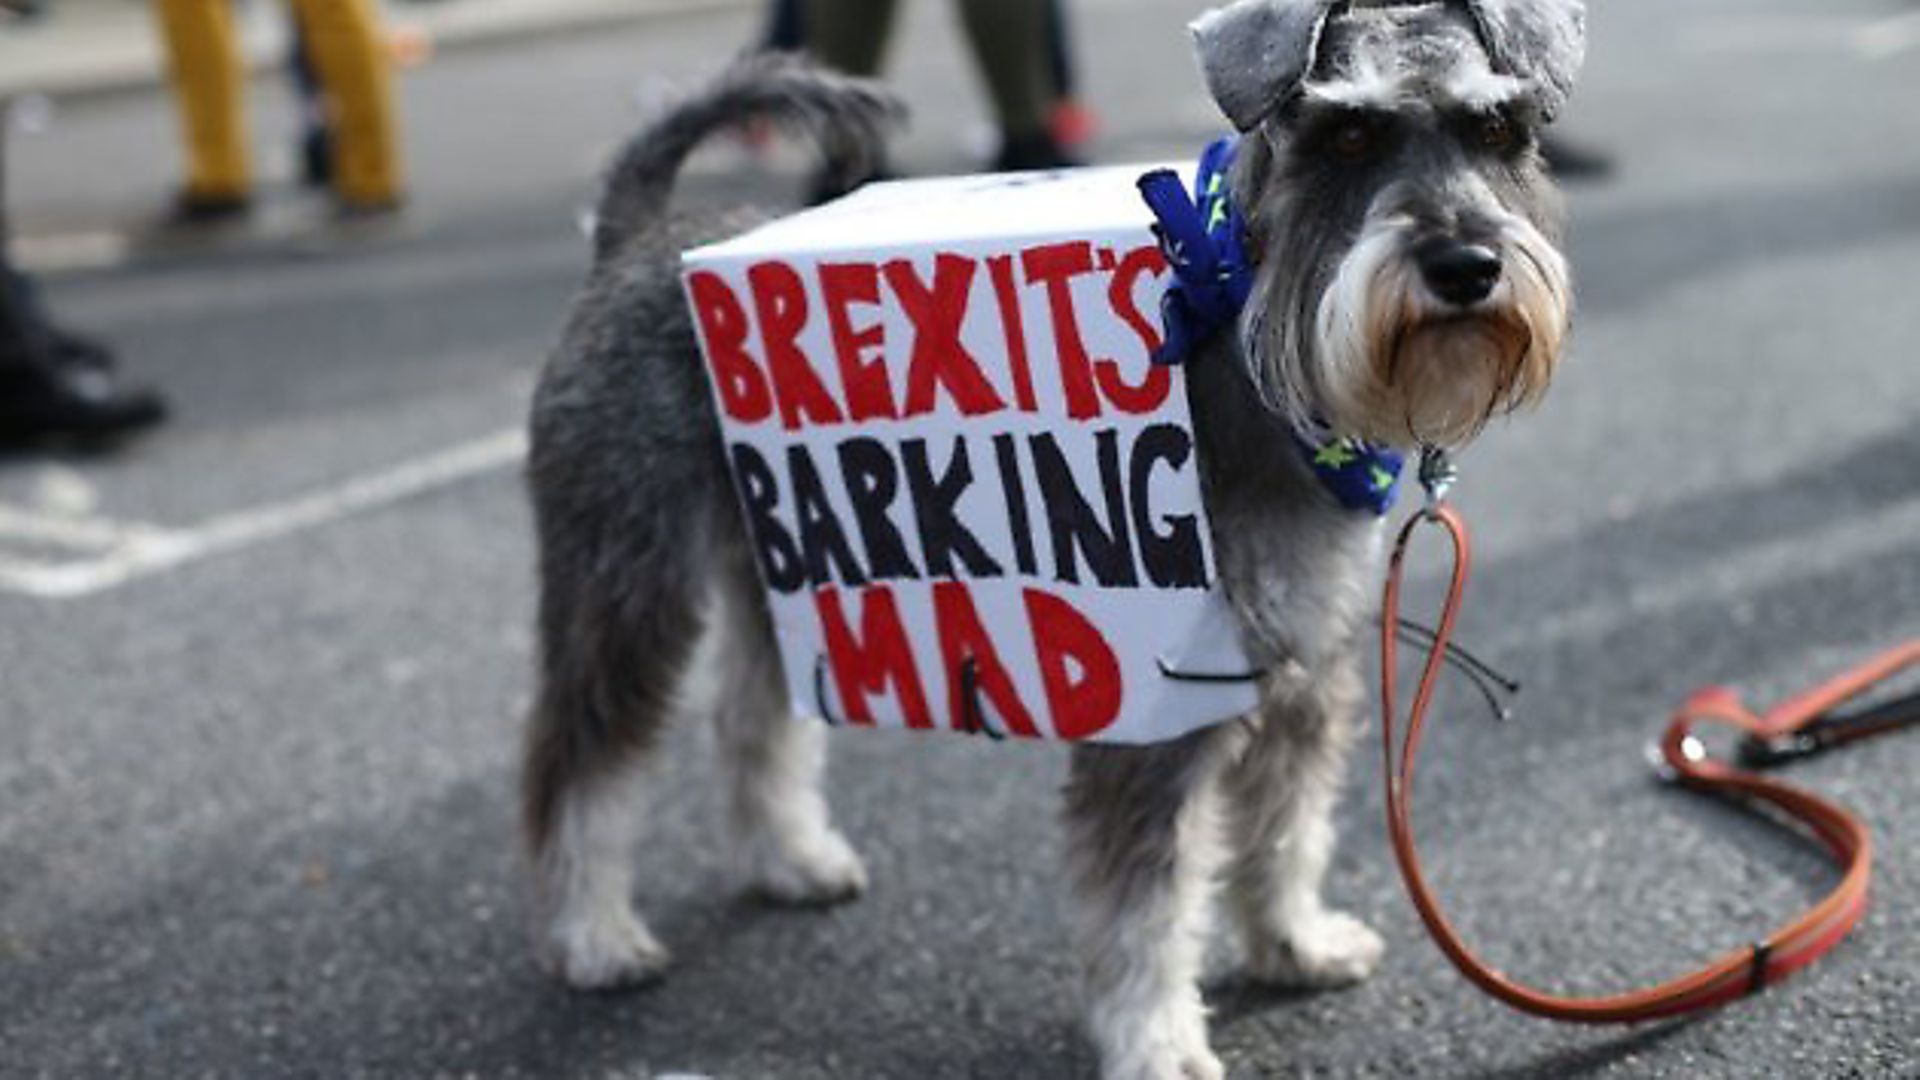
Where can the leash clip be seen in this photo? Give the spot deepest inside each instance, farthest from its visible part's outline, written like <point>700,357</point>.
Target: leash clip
<point>1828,730</point>
<point>1755,752</point>
<point>1438,474</point>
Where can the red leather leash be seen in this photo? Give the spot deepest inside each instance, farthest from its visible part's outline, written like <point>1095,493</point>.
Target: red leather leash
<point>1801,725</point>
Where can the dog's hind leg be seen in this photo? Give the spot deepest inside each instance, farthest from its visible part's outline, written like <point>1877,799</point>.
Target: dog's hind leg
<point>1280,797</point>
<point>772,762</point>
<point>613,654</point>
<point>1143,843</point>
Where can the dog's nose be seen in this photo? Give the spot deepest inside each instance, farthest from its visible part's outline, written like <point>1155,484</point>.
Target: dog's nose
<point>1459,273</point>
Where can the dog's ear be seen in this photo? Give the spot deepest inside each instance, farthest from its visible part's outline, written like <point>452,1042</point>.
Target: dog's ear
<point>1542,41</point>
<point>1255,52</point>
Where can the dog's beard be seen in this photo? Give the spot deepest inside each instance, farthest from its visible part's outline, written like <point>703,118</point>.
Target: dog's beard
<point>1382,360</point>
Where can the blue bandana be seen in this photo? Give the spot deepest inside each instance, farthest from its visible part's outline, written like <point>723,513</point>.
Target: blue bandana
<point>1212,279</point>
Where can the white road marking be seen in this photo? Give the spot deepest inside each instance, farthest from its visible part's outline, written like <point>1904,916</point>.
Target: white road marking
<point>69,531</point>
<point>1888,37</point>
<point>129,551</point>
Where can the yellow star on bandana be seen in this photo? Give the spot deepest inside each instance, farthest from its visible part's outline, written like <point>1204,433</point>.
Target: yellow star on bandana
<point>1337,455</point>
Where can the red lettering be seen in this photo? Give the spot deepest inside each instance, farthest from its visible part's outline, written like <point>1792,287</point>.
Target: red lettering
<point>1145,260</point>
<point>1151,392</point>
<point>876,658</point>
<point>964,639</point>
<point>863,367</point>
<point>1063,639</point>
<point>1055,266</point>
<point>741,384</point>
<point>780,300</point>
<point>1000,267</point>
<point>939,359</point>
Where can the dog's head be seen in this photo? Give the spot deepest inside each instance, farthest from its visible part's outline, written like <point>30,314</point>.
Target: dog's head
<point>1410,284</point>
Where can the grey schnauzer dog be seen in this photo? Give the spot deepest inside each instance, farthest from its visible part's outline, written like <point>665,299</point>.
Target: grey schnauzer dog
<point>1409,288</point>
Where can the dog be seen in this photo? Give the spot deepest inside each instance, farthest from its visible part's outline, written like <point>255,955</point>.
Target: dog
<point>1407,288</point>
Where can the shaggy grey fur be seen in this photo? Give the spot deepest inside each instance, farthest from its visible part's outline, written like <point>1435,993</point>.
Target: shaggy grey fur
<point>1149,826</point>
<point>1384,146</point>
<point>1256,52</point>
<point>1253,54</point>
<point>638,531</point>
<point>1544,41</point>
<point>624,401</point>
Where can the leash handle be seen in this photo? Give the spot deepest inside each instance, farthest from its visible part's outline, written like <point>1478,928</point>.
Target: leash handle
<point>1733,975</point>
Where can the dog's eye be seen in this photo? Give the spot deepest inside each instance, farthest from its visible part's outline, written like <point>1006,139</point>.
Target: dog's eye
<point>1496,134</point>
<point>1353,140</point>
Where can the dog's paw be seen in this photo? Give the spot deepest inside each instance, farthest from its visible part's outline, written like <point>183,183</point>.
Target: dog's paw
<point>1181,1059</point>
<point>1161,1041</point>
<point>822,868</point>
<point>612,951</point>
<point>1201,1065</point>
<point>1330,950</point>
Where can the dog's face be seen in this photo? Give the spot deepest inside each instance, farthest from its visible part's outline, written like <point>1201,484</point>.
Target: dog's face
<point>1410,285</point>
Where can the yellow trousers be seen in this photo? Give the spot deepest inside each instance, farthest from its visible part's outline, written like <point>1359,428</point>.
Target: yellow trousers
<point>349,53</point>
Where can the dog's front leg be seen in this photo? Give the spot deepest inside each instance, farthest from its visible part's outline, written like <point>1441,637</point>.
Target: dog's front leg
<point>1280,796</point>
<point>1142,826</point>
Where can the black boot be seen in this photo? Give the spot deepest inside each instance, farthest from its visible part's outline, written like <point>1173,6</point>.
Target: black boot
<point>828,185</point>
<point>192,210</point>
<point>70,394</point>
<point>1027,152</point>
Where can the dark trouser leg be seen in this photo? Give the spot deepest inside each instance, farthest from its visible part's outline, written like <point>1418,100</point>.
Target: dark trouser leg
<point>1010,44</point>
<point>849,35</point>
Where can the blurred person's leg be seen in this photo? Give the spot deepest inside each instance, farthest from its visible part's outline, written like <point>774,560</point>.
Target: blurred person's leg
<point>1059,51</point>
<point>24,9</point>
<point>1010,44</point>
<point>209,83</point>
<point>316,137</point>
<point>345,43</point>
<point>786,27</point>
<point>849,35</point>
<point>1009,41</point>
<point>1070,120</point>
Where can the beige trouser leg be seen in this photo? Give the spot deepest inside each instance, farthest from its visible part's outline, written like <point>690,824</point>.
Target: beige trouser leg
<point>208,83</point>
<point>349,53</point>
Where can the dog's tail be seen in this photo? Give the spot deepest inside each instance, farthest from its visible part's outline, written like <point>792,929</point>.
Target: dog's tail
<point>849,119</point>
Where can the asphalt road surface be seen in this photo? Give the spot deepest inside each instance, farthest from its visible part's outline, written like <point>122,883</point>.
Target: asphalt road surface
<point>261,675</point>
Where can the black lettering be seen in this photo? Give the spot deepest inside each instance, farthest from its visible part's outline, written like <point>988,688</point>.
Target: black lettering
<point>1015,491</point>
<point>1075,526</point>
<point>872,482</point>
<point>821,537</point>
<point>1173,559</point>
<point>760,496</point>
<point>941,535</point>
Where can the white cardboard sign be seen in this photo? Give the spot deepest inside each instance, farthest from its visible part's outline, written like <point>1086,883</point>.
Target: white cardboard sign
<point>974,499</point>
